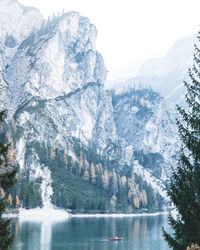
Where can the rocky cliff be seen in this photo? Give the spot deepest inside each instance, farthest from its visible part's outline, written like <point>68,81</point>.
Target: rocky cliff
<point>148,123</point>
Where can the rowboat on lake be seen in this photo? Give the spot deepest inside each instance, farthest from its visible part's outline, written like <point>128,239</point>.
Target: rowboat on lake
<point>115,239</point>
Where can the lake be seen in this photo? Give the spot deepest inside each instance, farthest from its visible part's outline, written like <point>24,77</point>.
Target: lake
<point>91,233</point>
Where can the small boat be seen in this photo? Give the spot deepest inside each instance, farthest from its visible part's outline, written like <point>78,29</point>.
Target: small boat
<point>115,239</point>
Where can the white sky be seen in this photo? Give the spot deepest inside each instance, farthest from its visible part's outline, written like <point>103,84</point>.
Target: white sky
<point>130,31</point>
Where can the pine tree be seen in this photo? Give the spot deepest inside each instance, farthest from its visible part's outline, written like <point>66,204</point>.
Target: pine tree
<point>184,185</point>
<point>7,178</point>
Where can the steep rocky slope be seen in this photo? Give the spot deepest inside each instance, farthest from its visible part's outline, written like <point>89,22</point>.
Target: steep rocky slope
<point>148,124</point>
<point>55,81</point>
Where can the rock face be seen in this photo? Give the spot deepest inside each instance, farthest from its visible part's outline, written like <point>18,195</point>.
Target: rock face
<point>148,124</point>
<point>16,22</point>
<point>56,79</point>
<point>69,132</point>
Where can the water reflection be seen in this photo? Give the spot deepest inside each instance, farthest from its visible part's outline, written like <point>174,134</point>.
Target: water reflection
<point>91,234</point>
<point>45,240</point>
<point>28,236</point>
<point>33,236</point>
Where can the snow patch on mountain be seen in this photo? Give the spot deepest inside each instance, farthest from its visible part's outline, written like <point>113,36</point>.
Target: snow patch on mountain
<point>46,187</point>
<point>20,154</point>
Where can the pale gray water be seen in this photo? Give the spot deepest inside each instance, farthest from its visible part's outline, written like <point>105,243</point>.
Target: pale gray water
<point>139,233</point>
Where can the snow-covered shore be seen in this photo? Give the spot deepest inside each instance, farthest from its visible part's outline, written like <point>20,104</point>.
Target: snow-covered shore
<point>40,214</point>
<point>55,215</point>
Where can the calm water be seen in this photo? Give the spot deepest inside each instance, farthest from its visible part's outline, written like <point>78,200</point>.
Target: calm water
<point>139,233</point>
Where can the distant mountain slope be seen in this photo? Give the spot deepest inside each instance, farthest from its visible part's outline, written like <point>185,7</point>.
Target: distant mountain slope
<point>166,74</point>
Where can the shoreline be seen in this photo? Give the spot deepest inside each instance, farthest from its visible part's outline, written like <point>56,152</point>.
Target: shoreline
<point>54,214</point>
<point>119,215</point>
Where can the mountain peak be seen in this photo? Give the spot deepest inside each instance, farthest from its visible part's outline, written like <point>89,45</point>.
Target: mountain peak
<point>178,58</point>
<point>75,26</point>
<point>17,20</point>
<point>9,1</point>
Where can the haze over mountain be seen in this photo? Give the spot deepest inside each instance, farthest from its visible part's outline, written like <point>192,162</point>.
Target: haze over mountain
<point>166,74</point>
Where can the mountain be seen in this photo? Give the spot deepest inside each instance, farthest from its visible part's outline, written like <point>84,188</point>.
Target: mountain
<point>148,123</point>
<point>164,75</point>
<point>17,22</point>
<point>61,124</point>
<point>145,108</point>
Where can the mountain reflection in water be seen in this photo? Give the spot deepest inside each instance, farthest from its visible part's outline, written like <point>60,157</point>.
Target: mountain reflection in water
<point>91,233</point>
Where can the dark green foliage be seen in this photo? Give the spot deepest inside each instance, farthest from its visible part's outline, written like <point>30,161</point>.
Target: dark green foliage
<point>2,115</point>
<point>3,148</point>
<point>69,190</point>
<point>184,186</point>
<point>6,239</point>
<point>76,194</point>
<point>7,179</point>
<point>135,95</point>
<point>72,191</point>
<point>29,193</point>
<point>152,161</point>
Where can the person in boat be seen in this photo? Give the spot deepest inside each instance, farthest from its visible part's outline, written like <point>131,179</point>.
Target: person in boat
<point>115,238</point>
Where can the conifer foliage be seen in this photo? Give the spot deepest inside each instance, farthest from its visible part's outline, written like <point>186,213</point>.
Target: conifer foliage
<point>184,185</point>
<point>7,179</point>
